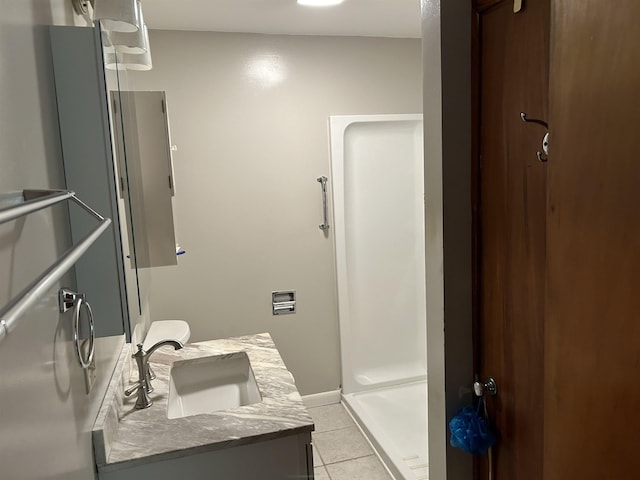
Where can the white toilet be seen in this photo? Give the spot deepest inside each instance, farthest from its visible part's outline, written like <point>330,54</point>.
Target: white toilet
<point>167,330</point>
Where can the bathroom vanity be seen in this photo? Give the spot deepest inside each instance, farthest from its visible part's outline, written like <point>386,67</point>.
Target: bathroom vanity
<point>268,436</point>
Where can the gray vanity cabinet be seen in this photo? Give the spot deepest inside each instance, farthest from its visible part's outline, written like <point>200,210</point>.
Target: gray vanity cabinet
<point>285,457</point>
<point>88,168</point>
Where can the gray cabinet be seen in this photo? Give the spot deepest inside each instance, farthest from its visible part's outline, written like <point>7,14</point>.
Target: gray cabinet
<point>88,169</point>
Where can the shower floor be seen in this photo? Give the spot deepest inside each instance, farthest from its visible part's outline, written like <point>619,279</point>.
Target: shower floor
<point>394,419</point>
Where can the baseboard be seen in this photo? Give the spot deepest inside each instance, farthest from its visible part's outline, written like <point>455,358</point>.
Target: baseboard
<point>322,398</point>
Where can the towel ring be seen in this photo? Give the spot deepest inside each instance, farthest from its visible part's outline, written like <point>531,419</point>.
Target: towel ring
<point>68,299</point>
<point>84,362</point>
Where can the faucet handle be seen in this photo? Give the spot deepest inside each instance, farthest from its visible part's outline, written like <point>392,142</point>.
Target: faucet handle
<point>143,400</point>
<point>133,388</point>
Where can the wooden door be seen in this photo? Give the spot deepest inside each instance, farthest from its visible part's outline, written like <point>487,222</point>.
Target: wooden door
<point>513,78</point>
<point>592,334</point>
<point>559,243</point>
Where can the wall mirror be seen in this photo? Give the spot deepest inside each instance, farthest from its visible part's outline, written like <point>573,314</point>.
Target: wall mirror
<point>146,185</point>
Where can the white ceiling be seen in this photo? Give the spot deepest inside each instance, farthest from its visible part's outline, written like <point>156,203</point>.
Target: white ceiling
<point>378,18</point>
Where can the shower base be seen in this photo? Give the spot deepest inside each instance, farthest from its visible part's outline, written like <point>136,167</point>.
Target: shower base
<point>394,419</point>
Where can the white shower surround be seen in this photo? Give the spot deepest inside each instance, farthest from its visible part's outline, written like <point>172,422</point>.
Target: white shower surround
<point>378,199</point>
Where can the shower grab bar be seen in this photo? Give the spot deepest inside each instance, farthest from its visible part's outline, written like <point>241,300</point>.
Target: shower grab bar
<point>323,182</point>
<point>35,200</point>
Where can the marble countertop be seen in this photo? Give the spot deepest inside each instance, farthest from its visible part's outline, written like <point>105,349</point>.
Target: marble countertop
<point>125,437</point>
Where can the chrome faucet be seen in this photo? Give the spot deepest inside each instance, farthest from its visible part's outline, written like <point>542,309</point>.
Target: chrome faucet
<point>145,375</point>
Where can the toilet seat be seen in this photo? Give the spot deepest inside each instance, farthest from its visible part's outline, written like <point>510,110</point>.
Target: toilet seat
<point>167,330</point>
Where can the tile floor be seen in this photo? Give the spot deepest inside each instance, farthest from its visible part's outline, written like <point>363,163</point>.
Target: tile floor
<point>340,451</point>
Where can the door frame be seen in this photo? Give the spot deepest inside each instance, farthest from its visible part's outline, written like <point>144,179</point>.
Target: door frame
<point>447,113</point>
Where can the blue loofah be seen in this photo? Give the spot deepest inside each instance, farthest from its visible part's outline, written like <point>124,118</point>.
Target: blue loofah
<point>471,432</point>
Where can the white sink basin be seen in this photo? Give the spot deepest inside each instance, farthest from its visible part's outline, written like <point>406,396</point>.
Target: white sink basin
<point>210,384</point>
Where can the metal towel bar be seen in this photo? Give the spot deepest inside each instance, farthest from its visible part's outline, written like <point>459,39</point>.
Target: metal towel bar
<point>35,200</point>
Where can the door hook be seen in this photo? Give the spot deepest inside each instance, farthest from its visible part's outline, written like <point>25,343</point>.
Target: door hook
<point>524,118</point>
<point>489,386</point>
<point>545,139</point>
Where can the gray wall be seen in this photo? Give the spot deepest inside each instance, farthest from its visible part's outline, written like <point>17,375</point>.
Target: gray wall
<point>249,116</point>
<point>46,416</point>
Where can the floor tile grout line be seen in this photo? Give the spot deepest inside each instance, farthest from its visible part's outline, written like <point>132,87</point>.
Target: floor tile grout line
<point>323,468</point>
<point>343,414</point>
<point>354,458</point>
<point>327,472</point>
<point>335,429</point>
<point>352,424</point>
<point>376,453</point>
<point>325,463</point>
<point>315,449</point>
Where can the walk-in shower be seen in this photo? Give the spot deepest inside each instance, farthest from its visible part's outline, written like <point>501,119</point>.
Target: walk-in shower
<point>378,200</point>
